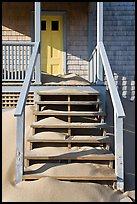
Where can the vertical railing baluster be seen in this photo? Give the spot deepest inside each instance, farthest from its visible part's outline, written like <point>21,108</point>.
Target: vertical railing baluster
<point>26,60</point>
<point>8,62</point>
<point>15,62</point>
<point>4,61</point>
<point>19,62</point>
<point>33,75</point>
<point>22,62</point>
<point>94,67</point>
<point>12,61</point>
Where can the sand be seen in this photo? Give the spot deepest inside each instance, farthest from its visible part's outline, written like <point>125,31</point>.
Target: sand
<point>50,135</point>
<point>67,170</point>
<point>45,189</point>
<point>67,79</point>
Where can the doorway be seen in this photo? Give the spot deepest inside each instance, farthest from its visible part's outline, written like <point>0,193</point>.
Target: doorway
<point>52,47</point>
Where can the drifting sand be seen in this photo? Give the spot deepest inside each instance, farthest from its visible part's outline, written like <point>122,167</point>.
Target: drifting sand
<point>67,170</point>
<point>50,135</point>
<point>67,79</point>
<point>45,189</point>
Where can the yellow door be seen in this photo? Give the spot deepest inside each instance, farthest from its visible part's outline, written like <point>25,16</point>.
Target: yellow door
<point>52,44</point>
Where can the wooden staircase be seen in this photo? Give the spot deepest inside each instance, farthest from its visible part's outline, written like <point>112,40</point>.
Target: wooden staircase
<point>70,139</point>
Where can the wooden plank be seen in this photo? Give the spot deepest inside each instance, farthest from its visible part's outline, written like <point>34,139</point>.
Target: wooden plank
<point>106,157</point>
<point>66,102</point>
<point>70,113</point>
<point>71,125</point>
<point>95,178</point>
<point>63,92</point>
<point>71,139</point>
<point>75,153</point>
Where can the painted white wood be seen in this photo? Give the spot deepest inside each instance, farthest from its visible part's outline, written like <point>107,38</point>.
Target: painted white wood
<point>20,147</point>
<point>26,58</point>
<point>12,60</point>
<point>15,62</point>
<point>99,39</point>
<point>99,22</point>
<point>22,62</point>
<point>111,83</point>
<point>119,159</point>
<point>18,43</point>
<point>19,62</point>
<point>4,65</point>
<point>92,66</point>
<point>14,54</point>
<point>8,62</point>
<point>38,39</point>
<point>95,66</point>
<point>26,84</point>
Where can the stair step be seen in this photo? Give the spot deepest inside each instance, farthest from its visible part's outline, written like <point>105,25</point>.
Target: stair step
<point>66,102</point>
<point>65,153</point>
<point>65,91</point>
<point>52,122</point>
<point>47,137</point>
<point>70,113</point>
<point>71,171</point>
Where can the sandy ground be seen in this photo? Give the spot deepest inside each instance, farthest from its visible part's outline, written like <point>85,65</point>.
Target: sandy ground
<point>45,189</point>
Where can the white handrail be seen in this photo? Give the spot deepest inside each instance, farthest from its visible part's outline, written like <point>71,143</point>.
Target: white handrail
<point>26,84</point>
<point>111,83</point>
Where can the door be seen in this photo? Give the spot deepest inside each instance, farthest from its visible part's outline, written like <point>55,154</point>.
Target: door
<point>52,44</point>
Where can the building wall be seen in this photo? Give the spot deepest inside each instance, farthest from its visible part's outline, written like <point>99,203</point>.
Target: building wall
<point>16,21</point>
<point>16,26</point>
<point>119,35</point>
<point>119,40</point>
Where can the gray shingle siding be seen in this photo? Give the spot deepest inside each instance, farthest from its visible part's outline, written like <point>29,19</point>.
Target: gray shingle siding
<point>119,40</point>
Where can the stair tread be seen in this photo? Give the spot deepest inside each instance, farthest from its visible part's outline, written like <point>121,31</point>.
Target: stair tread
<point>60,137</point>
<point>71,171</point>
<point>52,122</point>
<point>65,91</point>
<point>70,113</point>
<point>71,102</point>
<point>75,153</point>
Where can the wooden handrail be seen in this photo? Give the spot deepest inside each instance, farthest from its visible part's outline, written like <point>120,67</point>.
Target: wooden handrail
<point>111,83</point>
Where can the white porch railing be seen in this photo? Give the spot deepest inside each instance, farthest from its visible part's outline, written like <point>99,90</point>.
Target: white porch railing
<point>117,105</point>
<point>16,57</point>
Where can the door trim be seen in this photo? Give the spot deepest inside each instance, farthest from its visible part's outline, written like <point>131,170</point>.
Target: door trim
<point>56,13</point>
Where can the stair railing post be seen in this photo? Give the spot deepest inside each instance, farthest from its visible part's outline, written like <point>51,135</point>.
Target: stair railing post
<point>99,39</point>
<point>20,147</point>
<point>38,39</point>
<point>119,166</point>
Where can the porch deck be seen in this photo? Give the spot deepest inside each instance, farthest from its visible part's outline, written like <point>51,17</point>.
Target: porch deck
<point>69,79</point>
